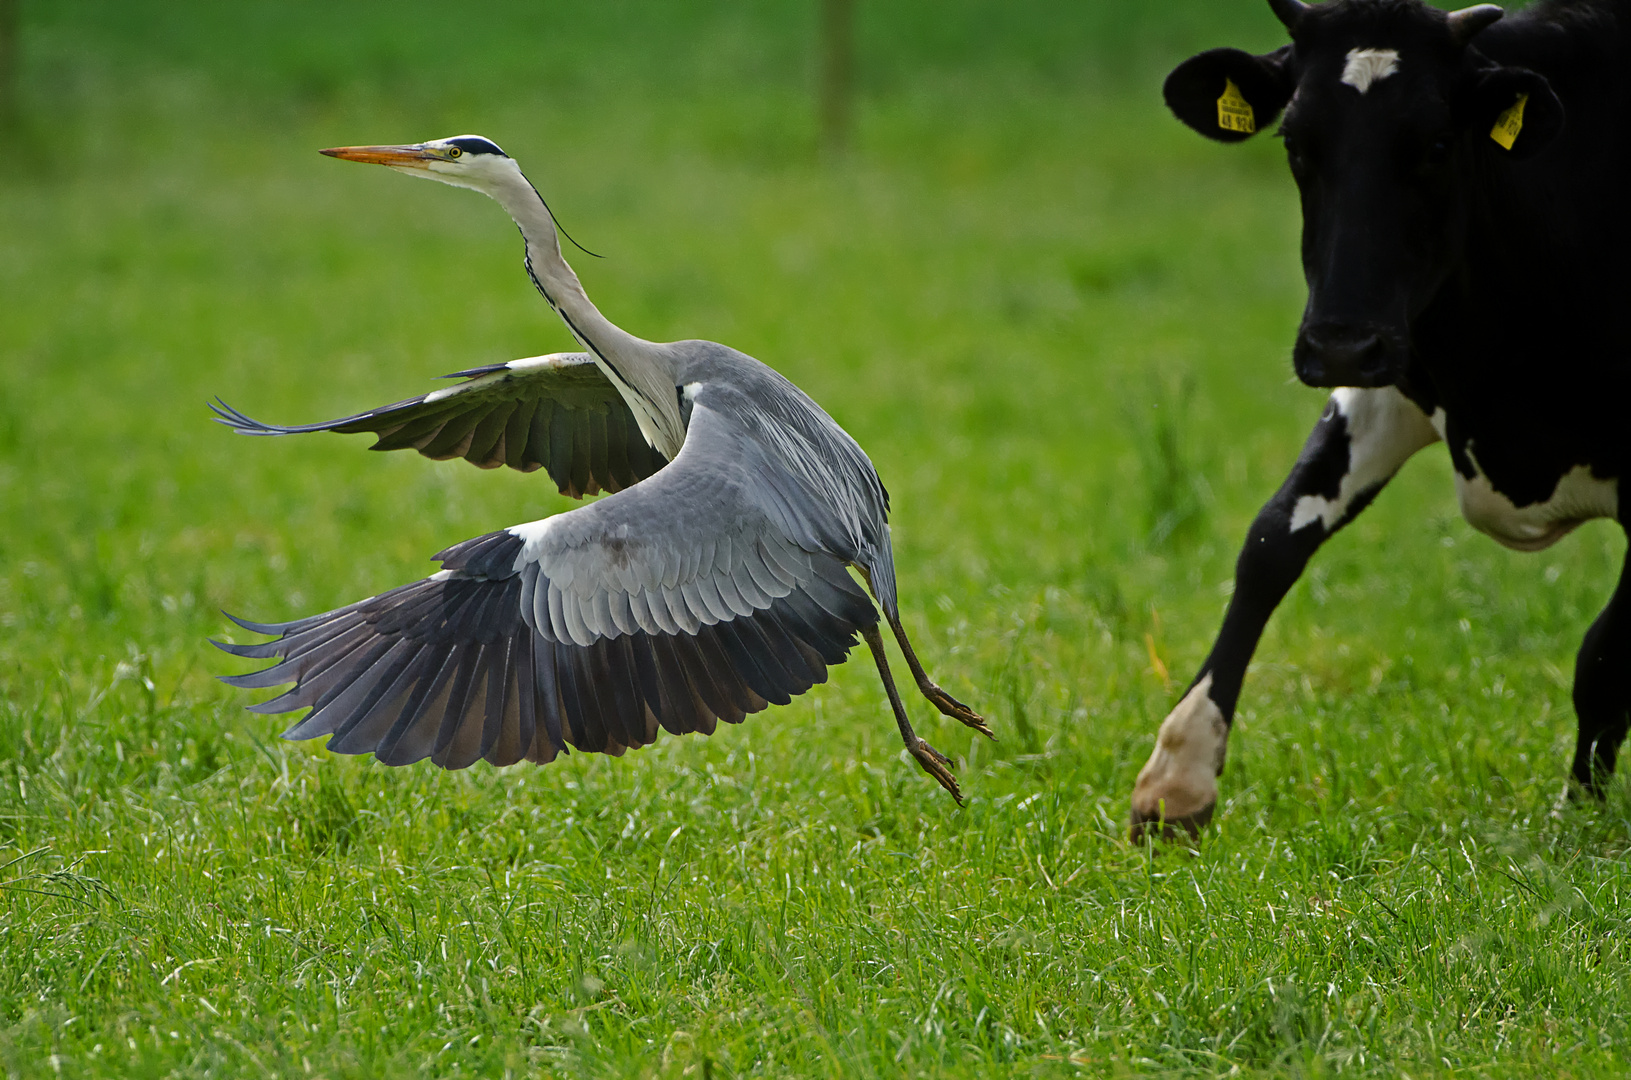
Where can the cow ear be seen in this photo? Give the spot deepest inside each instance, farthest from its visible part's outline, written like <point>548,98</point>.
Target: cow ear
<point>1229,95</point>
<point>1516,108</point>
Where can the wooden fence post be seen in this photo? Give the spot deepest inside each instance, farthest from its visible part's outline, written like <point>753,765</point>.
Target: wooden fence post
<point>10,22</point>
<point>837,74</point>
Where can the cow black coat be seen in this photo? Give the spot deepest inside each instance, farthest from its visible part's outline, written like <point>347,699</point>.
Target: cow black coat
<point>1463,180</point>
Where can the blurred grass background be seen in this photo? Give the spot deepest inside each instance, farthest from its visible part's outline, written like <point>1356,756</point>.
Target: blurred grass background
<point>1059,323</point>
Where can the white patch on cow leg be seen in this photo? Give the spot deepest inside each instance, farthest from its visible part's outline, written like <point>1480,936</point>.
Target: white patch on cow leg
<point>1367,66</point>
<point>1179,783</point>
<point>1384,428</point>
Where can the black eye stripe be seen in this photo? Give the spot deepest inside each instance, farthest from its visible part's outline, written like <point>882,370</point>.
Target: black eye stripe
<point>474,145</point>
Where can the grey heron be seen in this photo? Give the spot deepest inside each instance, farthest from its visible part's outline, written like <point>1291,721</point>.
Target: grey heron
<point>711,581</point>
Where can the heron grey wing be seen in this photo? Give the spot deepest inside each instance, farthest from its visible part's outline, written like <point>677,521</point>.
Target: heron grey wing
<point>556,412</point>
<point>578,630</point>
<point>696,556</point>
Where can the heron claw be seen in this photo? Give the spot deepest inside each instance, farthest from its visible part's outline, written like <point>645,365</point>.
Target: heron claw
<point>950,706</point>
<point>937,765</point>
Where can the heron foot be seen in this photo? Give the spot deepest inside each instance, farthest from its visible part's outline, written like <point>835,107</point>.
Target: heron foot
<point>936,764</point>
<point>950,706</point>
<point>932,761</point>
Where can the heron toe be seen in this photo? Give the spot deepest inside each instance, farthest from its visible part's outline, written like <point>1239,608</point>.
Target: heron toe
<point>937,765</point>
<point>950,706</point>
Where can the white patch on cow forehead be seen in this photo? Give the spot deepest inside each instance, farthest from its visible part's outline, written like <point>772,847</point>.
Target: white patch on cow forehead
<point>1367,66</point>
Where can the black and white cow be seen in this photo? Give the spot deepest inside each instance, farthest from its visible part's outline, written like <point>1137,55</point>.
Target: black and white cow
<point>1465,188</point>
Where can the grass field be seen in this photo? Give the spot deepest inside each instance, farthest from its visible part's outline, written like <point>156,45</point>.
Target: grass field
<point>1060,325</point>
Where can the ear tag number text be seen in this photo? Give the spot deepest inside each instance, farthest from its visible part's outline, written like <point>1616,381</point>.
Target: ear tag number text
<point>1234,111</point>
<point>1508,124</point>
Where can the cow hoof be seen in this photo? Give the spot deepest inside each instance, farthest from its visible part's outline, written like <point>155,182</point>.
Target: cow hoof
<point>1144,829</point>
<point>1575,795</point>
<point>1177,789</point>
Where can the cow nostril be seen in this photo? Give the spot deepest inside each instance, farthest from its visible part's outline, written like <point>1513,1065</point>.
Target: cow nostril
<point>1367,351</point>
<point>1337,355</point>
<point>1343,347</point>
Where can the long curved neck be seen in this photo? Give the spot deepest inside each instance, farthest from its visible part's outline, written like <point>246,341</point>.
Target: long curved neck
<point>639,369</point>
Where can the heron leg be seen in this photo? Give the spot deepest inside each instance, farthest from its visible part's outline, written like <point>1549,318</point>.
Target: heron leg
<point>948,705</point>
<point>934,763</point>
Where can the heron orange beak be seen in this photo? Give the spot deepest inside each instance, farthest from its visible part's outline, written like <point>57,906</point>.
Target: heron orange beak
<point>409,157</point>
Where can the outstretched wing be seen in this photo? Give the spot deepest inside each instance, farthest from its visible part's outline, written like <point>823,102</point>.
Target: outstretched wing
<point>556,412</point>
<point>672,605</point>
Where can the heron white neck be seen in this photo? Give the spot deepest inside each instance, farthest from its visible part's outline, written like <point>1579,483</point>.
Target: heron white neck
<point>554,278</point>
<point>638,368</point>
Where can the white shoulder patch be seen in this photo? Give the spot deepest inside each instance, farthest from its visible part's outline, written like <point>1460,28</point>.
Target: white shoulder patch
<point>532,536</point>
<point>1367,66</point>
<point>552,360</point>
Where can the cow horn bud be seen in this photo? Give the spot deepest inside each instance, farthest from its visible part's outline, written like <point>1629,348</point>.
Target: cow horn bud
<point>1289,12</point>
<point>1465,24</point>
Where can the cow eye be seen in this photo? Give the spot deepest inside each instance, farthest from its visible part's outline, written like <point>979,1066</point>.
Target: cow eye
<point>1438,151</point>
<point>1295,152</point>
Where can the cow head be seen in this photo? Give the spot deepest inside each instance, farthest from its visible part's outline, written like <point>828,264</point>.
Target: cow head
<point>1388,110</point>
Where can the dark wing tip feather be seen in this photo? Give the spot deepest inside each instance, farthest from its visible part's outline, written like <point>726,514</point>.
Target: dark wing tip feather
<point>244,425</point>
<point>475,372</point>
<point>263,651</point>
<point>371,420</point>
<point>260,628</point>
<point>434,668</point>
<point>258,680</point>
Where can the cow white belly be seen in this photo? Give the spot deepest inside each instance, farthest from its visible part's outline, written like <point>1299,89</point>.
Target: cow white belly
<point>1579,497</point>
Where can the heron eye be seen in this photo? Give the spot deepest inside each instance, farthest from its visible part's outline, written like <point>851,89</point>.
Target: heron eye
<point>454,152</point>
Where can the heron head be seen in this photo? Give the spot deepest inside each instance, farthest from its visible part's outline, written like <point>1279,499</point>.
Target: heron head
<point>470,161</point>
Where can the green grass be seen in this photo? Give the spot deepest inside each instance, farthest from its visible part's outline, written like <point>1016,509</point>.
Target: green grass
<point>1060,325</point>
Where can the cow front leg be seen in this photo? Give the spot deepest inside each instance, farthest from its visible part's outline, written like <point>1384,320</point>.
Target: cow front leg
<point>1602,689</point>
<point>1359,443</point>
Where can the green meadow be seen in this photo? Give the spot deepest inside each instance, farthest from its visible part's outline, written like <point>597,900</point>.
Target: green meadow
<point>1059,322</point>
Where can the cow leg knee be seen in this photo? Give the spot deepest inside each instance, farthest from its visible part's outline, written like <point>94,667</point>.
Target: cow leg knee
<point>1358,444</point>
<point>1602,691</point>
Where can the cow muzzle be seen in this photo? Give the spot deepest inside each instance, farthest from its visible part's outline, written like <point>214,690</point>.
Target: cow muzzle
<point>1338,354</point>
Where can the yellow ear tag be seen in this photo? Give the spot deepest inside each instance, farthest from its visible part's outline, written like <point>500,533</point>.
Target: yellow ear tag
<point>1235,112</point>
<point>1509,123</point>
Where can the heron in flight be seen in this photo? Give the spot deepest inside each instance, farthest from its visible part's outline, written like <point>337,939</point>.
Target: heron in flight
<point>709,583</point>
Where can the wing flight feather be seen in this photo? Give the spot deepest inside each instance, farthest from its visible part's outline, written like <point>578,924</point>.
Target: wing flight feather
<point>670,606</point>
<point>558,412</point>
